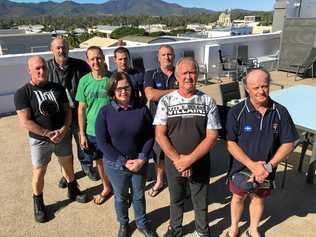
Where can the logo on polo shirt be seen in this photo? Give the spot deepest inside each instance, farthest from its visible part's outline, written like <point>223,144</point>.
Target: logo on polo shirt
<point>247,128</point>
<point>158,84</point>
<point>275,127</point>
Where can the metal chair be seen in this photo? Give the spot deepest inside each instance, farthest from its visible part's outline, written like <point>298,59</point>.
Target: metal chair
<point>228,65</point>
<point>307,65</point>
<point>229,91</point>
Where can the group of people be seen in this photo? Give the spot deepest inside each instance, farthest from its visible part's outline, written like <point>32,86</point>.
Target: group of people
<point>107,114</point>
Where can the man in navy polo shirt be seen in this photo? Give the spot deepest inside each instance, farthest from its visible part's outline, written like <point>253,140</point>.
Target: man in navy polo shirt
<point>157,83</point>
<point>122,62</point>
<point>260,134</point>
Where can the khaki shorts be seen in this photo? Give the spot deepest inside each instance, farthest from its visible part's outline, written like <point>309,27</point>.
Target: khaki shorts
<point>41,151</point>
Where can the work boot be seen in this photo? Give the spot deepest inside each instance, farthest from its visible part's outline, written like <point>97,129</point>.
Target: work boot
<point>39,208</point>
<point>75,194</point>
<point>147,231</point>
<point>90,172</point>
<point>62,183</point>
<point>123,231</point>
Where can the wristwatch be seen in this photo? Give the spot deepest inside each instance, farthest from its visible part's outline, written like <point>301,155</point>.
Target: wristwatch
<point>268,167</point>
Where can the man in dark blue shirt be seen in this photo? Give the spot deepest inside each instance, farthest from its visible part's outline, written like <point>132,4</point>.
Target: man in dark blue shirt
<point>122,62</point>
<point>157,83</point>
<point>260,134</point>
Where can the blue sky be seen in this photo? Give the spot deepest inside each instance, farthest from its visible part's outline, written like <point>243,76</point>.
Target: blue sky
<point>265,5</point>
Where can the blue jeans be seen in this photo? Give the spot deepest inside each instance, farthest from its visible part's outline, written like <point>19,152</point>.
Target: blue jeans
<point>122,181</point>
<point>80,153</point>
<point>93,153</point>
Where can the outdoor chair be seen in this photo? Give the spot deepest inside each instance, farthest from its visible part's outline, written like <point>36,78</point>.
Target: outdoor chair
<point>305,67</point>
<point>229,91</point>
<point>228,65</point>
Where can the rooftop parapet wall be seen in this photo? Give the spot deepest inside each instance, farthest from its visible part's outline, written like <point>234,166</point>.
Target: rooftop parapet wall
<point>14,74</point>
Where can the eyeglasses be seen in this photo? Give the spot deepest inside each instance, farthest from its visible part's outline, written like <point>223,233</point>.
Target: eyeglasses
<point>125,88</point>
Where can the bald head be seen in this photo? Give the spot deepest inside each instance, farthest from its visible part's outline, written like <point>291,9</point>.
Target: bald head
<point>37,70</point>
<point>257,86</point>
<point>59,48</point>
<point>257,72</point>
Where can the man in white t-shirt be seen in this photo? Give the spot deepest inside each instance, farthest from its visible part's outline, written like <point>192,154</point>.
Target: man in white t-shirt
<point>186,129</point>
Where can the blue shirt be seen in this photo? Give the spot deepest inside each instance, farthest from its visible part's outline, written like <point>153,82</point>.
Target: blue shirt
<point>124,134</point>
<point>158,80</point>
<point>259,136</point>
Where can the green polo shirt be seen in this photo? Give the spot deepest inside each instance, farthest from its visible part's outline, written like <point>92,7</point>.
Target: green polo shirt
<point>93,93</point>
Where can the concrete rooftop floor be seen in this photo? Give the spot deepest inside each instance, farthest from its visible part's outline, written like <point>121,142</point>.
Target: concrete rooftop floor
<point>289,212</point>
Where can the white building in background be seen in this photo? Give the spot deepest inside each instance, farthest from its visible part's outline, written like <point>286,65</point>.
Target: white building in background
<point>154,28</point>
<point>198,27</point>
<point>29,29</point>
<point>106,29</point>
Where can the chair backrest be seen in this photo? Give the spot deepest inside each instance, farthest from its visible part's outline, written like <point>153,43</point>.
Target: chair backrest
<point>311,57</point>
<point>229,91</point>
<point>188,53</point>
<point>242,54</point>
<point>138,64</point>
<point>222,111</point>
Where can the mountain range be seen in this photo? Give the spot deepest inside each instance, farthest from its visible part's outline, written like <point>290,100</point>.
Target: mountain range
<point>112,7</point>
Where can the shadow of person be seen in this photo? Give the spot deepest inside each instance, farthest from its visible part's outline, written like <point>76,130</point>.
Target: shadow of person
<point>296,199</point>
<point>53,209</point>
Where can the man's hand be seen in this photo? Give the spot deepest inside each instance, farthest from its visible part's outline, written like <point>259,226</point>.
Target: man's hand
<point>59,134</point>
<point>84,141</point>
<point>134,165</point>
<point>183,163</point>
<point>53,136</point>
<point>186,173</point>
<point>259,172</point>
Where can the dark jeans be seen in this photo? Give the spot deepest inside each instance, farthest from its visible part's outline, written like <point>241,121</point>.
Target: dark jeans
<point>80,153</point>
<point>122,181</point>
<point>177,190</point>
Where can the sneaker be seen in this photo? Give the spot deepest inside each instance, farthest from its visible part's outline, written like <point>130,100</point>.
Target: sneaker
<point>62,183</point>
<point>172,233</point>
<point>123,231</point>
<point>91,173</point>
<point>75,194</point>
<point>40,213</point>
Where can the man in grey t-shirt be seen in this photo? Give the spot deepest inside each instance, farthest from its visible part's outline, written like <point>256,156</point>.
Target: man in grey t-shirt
<point>186,129</point>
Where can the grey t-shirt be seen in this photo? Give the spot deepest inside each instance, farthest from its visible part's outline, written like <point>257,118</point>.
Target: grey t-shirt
<point>187,120</point>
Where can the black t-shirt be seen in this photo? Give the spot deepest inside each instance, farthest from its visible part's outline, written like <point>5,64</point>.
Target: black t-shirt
<point>46,104</point>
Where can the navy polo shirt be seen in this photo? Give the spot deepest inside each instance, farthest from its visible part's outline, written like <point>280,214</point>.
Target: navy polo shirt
<point>259,136</point>
<point>158,80</point>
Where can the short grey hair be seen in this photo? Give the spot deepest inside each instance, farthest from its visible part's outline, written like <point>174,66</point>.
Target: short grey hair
<point>59,37</point>
<point>257,69</point>
<point>189,59</point>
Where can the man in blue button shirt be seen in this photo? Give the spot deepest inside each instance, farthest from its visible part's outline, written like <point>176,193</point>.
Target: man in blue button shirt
<point>260,134</point>
<point>157,83</point>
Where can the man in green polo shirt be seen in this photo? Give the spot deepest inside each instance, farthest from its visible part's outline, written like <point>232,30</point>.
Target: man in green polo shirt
<point>92,96</point>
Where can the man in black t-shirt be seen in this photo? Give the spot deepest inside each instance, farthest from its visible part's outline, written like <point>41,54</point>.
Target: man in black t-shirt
<point>43,109</point>
<point>67,72</point>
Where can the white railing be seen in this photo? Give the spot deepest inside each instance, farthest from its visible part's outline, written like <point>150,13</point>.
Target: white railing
<point>13,73</point>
